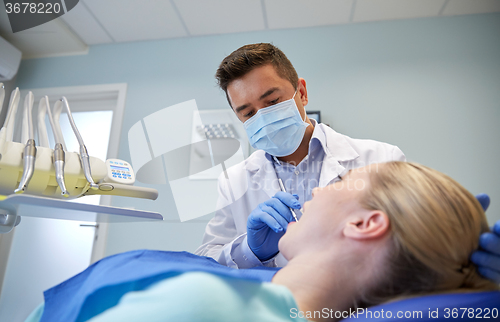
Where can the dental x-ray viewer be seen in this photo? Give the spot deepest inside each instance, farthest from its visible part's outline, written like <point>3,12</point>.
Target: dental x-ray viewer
<point>265,92</point>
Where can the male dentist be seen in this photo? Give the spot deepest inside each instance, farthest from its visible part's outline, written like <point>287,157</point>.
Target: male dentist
<point>265,92</point>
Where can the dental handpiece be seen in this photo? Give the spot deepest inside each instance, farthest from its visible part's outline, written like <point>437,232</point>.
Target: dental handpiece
<point>84,156</point>
<point>29,165</point>
<point>59,159</point>
<point>282,186</point>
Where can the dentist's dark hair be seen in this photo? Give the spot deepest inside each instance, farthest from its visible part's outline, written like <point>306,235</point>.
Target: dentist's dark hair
<point>246,58</point>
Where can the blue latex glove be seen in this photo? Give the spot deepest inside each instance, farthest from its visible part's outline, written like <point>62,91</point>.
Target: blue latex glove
<point>484,200</point>
<point>268,222</point>
<point>487,258</point>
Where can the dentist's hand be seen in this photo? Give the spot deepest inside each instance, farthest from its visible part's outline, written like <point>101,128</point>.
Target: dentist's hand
<point>268,222</point>
<point>487,258</point>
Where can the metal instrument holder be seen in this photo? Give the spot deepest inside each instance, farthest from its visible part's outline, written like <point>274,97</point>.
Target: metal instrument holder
<point>13,207</point>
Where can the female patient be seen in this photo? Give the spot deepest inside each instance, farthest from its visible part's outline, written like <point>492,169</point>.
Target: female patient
<point>384,232</point>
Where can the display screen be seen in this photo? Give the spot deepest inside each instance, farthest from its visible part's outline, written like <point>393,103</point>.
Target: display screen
<point>114,167</point>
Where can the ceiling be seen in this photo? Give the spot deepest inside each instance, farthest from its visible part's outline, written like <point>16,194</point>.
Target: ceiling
<point>94,22</point>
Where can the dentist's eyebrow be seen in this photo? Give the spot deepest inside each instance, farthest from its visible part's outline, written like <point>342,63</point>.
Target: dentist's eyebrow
<point>269,92</point>
<point>241,108</point>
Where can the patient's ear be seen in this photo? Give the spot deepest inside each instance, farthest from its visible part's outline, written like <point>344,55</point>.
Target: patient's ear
<point>370,225</point>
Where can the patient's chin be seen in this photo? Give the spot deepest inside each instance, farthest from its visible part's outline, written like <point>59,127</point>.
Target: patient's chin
<point>284,247</point>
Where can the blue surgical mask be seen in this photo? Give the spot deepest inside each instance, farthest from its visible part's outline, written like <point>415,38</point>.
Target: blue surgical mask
<point>277,129</point>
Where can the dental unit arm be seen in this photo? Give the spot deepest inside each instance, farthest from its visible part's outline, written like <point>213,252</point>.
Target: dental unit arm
<point>56,173</point>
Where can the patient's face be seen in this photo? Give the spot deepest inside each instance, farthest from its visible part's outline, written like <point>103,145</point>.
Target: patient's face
<point>324,217</point>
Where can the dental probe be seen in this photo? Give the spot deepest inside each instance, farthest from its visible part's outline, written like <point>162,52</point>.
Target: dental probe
<point>282,186</point>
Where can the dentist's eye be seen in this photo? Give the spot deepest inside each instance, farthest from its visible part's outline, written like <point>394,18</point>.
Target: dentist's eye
<point>248,114</point>
<point>274,101</point>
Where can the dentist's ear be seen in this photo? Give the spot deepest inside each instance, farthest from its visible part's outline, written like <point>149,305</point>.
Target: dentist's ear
<point>302,89</point>
<point>370,225</point>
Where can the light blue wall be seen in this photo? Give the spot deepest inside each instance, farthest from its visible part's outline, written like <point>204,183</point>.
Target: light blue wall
<point>430,86</point>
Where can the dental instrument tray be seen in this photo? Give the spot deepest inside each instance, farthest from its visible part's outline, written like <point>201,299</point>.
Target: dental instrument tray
<point>15,206</point>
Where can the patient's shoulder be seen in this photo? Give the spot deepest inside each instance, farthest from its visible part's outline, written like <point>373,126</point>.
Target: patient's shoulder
<point>224,298</point>
<point>199,296</point>
<point>210,289</point>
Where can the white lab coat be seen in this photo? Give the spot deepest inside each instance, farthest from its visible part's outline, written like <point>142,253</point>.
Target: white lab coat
<point>225,234</point>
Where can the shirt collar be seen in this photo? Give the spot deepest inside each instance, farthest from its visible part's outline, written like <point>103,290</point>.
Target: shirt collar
<point>318,138</point>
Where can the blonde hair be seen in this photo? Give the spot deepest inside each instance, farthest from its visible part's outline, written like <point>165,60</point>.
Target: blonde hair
<point>435,226</point>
